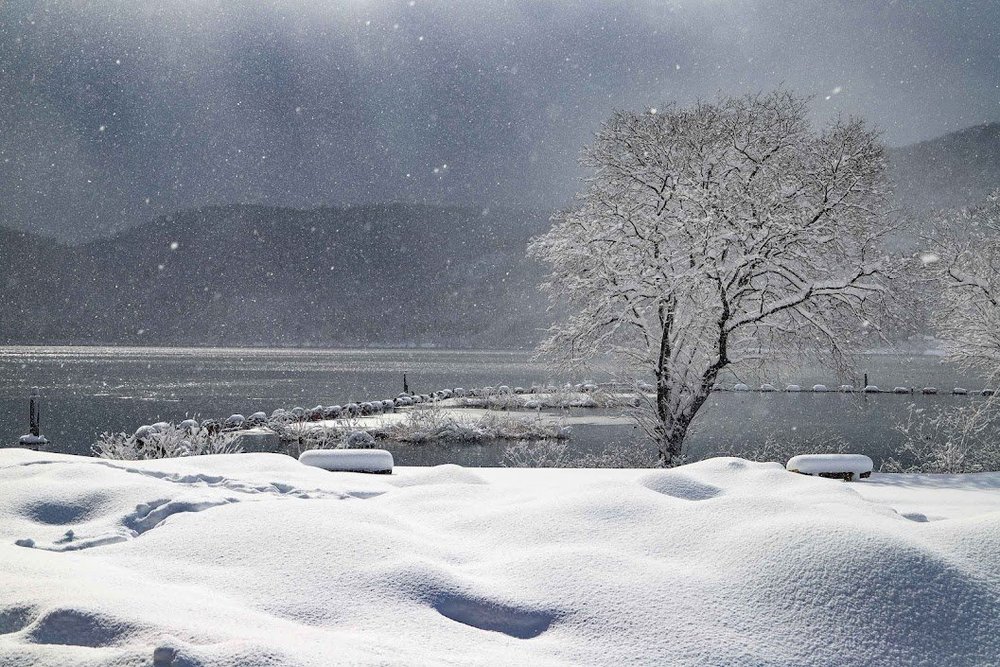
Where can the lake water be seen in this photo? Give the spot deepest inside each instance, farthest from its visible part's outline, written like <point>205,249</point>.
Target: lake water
<point>88,390</point>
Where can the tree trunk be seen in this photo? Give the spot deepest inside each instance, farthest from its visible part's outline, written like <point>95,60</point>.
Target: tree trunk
<point>671,441</point>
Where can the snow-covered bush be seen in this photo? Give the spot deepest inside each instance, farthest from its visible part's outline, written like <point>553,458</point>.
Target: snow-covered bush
<point>234,422</point>
<point>359,440</point>
<point>557,455</point>
<point>949,440</point>
<point>430,424</point>
<point>169,442</point>
<point>255,420</point>
<point>535,455</point>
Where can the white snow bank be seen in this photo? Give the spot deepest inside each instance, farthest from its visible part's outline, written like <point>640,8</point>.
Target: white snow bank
<point>819,464</point>
<point>348,460</point>
<point>258,560</point>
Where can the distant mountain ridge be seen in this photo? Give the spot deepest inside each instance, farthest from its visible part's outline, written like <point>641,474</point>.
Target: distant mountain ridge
<point>377,275</point>
<point>951,171</point>
<point>396,274</point>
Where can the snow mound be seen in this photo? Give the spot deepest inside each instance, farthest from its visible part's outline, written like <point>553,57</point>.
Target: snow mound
<point>258,560</point>
<point>443,474</point>
<point>678,485</point>
<point>818,464</point>
<point>348,460</point>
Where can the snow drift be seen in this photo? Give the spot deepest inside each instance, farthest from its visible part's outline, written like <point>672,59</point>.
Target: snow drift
<point>258,560</point>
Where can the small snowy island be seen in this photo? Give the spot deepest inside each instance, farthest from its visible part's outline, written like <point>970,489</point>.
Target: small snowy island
<point>256,559</point>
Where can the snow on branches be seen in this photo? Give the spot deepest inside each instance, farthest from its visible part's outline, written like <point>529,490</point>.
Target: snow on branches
<point>715,234</point>
<point>964,262</point>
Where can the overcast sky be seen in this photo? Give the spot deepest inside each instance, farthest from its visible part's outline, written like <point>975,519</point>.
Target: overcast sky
<point>114,112</point>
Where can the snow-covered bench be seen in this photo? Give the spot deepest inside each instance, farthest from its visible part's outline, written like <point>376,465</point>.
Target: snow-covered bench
<point>847,467</point>
<point>377,461</point>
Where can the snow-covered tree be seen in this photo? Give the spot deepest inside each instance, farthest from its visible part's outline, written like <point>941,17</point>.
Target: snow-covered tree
<point>714,235</point>
<point>963,260</point>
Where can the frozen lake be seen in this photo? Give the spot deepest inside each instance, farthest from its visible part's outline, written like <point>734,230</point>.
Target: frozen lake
<point>88,390</point>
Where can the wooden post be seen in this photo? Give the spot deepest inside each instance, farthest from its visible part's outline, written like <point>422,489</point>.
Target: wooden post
<point>406,387</point>
<point>34,412</point>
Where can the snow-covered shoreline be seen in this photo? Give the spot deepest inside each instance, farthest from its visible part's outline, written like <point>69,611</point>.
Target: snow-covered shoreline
<point>256,559</point>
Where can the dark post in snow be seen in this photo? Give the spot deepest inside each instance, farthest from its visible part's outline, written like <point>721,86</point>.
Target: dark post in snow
<point>34,412</point>
<point>406,387</point>
<point>34,438</point>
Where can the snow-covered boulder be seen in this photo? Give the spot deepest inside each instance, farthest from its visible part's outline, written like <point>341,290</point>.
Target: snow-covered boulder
<point>256,419</point>
<point>848,467</point>
<point>820,388</point>
<point>388,406</point>
<point>961,391</point>
<point>741,387</point>
<point>332,412</point>
<point>234,422</point>
<point>366,409</point>
<point>793,387</point>
<point>189,426</point>
<point>144,433</point>
<point>929,390</point>
<point>161,427</point>
<point>520,390</point>
<point>767,387</point>
<point>532,404</point>
<point>902,390</point>
<point>376,461</point>
<point>459,391</point>
<point>986,392</point>
<point>871,389</point>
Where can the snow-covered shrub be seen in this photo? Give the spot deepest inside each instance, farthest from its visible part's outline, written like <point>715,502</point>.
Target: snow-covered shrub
<point>557,455</point>
<point>430,424</point>
<point>359,440</point>
<point>331,411</point>
<point>169,442</point>
<point>255,420</point>
<point>617,456</point>
<point>535,455</point>
<point>315,414</point>
<point>234,422</point>
<point>189,426</point>
<point>949,440</point>
<point>211,425</point>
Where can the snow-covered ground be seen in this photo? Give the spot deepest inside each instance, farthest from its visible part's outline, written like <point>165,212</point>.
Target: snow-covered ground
<point>258,560</point>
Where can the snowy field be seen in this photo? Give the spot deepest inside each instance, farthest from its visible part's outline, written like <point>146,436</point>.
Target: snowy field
<point>258,560</point>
